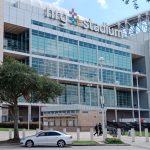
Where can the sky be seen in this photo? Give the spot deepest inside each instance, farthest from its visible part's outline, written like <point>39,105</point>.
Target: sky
<point>99,11</point>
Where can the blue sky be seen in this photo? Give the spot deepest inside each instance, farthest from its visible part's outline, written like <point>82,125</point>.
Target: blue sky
<point>108,11</point>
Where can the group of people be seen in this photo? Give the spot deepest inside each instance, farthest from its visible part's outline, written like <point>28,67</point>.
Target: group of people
<point>98,129</point>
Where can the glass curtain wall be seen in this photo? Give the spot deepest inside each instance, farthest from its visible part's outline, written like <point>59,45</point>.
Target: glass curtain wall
<point>124,99</point>
<point>17,42</point>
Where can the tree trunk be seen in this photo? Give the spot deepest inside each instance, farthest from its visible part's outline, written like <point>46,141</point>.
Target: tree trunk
<point>16,132</point>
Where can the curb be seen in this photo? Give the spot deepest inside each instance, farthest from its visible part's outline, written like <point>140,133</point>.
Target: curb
<point>101,145</point>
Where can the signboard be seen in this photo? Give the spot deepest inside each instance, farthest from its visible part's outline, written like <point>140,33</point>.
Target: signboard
<point>73,19</point>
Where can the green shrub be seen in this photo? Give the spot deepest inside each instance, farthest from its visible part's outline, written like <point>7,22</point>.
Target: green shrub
<point>113,141</point>
<point>21,125</point>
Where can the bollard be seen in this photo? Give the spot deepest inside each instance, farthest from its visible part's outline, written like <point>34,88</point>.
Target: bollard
<point>64,130</point>
<point>37,131</point>
<point>10,133</point>
<point>119,133</point>
<point>146,135</point>
<point>104,134</point>
<point>91,134</point>
<point>78,134</point>
<point>133,135</point>
<point>23,133</point>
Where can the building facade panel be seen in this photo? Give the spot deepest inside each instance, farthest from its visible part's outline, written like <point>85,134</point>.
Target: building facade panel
<point>92,65</point>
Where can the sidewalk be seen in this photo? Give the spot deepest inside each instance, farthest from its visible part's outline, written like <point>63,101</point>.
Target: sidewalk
<point>139,141</point>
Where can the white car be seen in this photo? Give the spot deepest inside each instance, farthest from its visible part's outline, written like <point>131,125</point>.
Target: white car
<point>47,138</point>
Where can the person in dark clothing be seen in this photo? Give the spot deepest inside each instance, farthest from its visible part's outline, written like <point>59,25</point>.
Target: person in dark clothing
<point>96,129</point>
<point>100,129</point>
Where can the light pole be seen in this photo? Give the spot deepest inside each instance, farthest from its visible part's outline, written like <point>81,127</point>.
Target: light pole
<point>90,85</point>
<point>29,115</point>
<point>39,116</point>
<point>101,62</point>
<point>138,100</point>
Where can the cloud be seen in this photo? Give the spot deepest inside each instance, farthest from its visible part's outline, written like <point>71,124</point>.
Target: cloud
<point>57,2</point>
<point>103,3</point>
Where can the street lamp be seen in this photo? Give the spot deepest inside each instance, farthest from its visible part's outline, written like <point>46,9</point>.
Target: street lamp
<point>90,85</point>
<point>101,62</point>
<point>137,91</point>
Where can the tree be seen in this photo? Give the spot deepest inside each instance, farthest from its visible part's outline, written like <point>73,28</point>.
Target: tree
<point>135,3</point>
<point>17,79</point>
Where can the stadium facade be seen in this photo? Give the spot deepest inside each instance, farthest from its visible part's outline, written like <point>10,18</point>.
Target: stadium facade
<point>99,66</point>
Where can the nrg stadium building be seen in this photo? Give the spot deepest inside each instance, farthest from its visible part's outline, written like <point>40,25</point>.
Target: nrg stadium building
<point>101,67</point>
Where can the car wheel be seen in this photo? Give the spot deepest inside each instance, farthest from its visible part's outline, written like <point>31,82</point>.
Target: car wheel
<point>61,143</point>
<point>29,143</point>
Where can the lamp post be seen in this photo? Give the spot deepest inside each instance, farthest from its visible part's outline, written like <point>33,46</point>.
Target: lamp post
<point>101,62</point>
<point>90,85</point>
<point>137,91</point>
<point>39,116</point>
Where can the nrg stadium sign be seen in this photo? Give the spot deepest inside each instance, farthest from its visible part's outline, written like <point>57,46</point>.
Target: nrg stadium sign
<point>74,19</point>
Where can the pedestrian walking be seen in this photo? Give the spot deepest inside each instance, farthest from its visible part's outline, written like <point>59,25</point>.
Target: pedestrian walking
<point>100,129</point>
<point>96,129</point>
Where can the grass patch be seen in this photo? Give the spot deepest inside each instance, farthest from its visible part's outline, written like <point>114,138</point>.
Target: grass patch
<point>85,142</point>
<point>7,129</point>
<point>137,133</point>
<point>113,141</point>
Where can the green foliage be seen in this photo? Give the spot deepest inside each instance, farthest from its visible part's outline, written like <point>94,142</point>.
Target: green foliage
<point>85,143</point>
<point>113,141</point>
<point>17,79</point>
<point>135,3</point>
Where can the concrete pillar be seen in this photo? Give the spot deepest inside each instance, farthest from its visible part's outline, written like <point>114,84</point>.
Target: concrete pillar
<point>78,134</point>
<point>23,133</point>
<point>1,113</point>
<point>64,130</point>
<point>104,134</point>
<point>119,134</point>
<point>91,134</point>
<point>146,135</point>
<point>37,131</point>
<point>133,135</point>
<point>29,116</point>
<point>10,134</point>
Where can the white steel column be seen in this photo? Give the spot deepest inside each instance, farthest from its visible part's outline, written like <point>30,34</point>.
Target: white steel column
<point>116,115</point>
<point>138,100</point>
<point>133,116</point>
<point>98,95</point>
<point>1,29</point>
<point>79,93</point>
<point>39,116</point>
<point>29,115</point>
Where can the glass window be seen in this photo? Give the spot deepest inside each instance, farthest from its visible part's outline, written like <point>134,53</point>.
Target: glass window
<point>88,53</point>
<point>88,95</point>
<point>53,134</point>
<point>108,76</point>
<point>123,99</point>
<point>69,95</point>
<point>109,97</point>
<point>108,56</point>
<point>44,67</point>
<point>123,60</point>
<point>68,70</point>
<point>68,48</point>
<point>44,44</point>
<point>88,74</point>
<point>123,78</point>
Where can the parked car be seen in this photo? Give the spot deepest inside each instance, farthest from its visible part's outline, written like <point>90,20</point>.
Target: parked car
<point>47,138</point>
